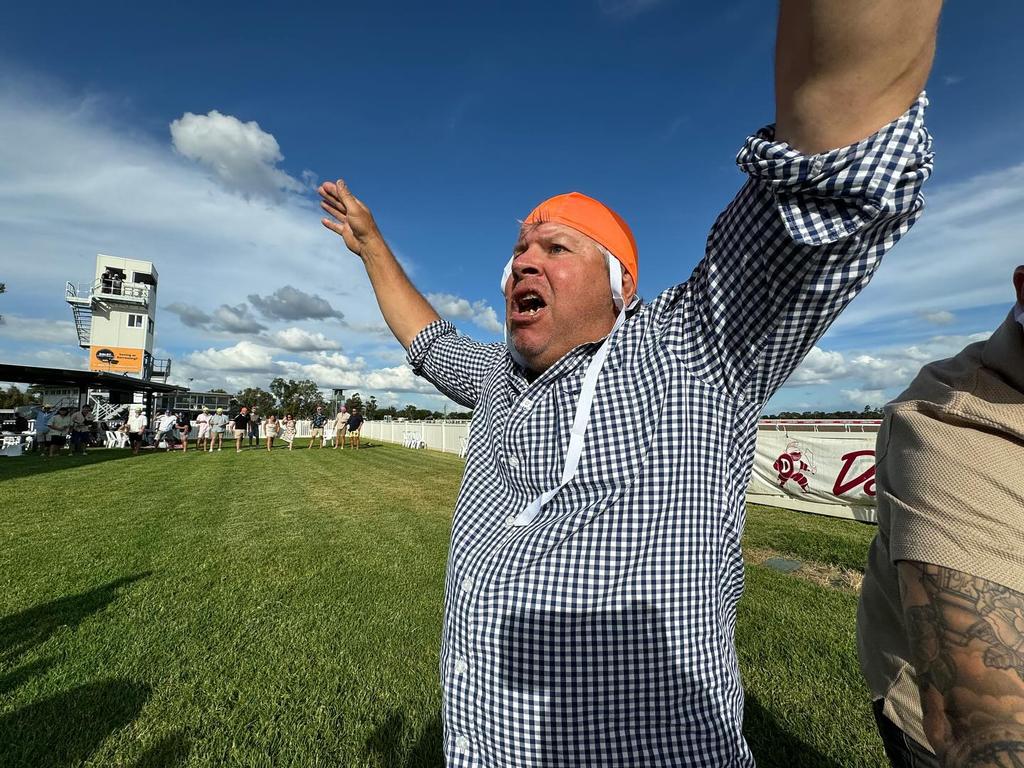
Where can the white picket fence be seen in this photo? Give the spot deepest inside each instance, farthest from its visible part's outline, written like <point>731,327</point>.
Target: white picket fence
<point>447,436</point>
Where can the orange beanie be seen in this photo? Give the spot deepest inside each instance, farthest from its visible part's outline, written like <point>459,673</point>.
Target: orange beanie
<point>595,220</point>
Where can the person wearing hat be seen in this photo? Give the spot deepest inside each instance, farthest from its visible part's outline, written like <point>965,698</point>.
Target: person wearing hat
<point>137,423</point>
<point>218,423</point>
<point>595,562</point>
<point>203,428</point>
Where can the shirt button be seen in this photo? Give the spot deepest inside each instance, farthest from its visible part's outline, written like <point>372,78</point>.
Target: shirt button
<point>461,666</point>
<point>526,405</point>
<point>467,585</point>
<point>510,520</point>
<point>462,744</point>
<point>513,462</point>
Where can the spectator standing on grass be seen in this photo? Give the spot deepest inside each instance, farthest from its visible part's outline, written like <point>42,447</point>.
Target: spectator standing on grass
<point>58,428</point>
<point>270,427</point>
<point>241,422</point>
<point>288,430</point>
<point>165,424</point>
<point>940,627</point>
<point>42,421</point>
<point>184,426</point>
<point>203,428</point>
<point>137,423</point>
<point>355,423</point>
<point>218,423</point>
<point>594,574</point>
<point>254,428</point>
<point>82,424</point>
<point>341,427</point>
<point>317,423</point>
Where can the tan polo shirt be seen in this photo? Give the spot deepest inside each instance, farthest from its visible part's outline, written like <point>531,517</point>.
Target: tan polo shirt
<point>950,472</point>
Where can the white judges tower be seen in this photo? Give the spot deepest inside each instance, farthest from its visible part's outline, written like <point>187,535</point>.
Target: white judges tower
<point>115,317</point>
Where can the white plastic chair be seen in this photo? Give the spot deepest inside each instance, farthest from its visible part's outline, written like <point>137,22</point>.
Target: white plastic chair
<point>463,447</point>
<point>122,439</point>
<point>111,440</point>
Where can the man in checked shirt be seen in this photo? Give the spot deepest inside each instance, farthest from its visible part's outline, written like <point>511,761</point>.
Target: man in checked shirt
<point>594,572</point>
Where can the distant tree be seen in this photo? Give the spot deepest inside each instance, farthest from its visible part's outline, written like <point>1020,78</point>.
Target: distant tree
<point>370,409</point>
<point>388,411</point>
<point>355,401</point>
<point>12,397</point>
<point>218,391</point>
<point>299,398</point>
<point>254,397</point>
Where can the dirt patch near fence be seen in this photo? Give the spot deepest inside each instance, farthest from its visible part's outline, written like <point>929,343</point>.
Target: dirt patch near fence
<point>822,574</point>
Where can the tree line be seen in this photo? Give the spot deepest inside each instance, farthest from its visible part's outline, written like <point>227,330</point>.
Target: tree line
<point>300,399</point>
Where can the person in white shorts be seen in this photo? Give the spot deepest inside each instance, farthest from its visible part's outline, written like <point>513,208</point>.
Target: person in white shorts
<point>340,427</point>
<point>218,422</point>
<point>203,427</point>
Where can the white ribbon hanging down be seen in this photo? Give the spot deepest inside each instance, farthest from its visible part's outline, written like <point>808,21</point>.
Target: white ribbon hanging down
<point>586,397</point>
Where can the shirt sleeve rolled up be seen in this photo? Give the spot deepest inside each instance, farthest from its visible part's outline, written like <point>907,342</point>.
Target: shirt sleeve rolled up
<point>802,237</point>
<point>456,365</point>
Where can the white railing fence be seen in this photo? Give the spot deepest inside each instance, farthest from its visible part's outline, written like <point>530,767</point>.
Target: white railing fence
<point>446,436</point>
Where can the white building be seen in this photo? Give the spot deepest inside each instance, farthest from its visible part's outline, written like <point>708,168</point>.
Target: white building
<point>115,317</point>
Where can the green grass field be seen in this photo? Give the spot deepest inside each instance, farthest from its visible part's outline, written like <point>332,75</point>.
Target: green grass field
<point>284,609</point>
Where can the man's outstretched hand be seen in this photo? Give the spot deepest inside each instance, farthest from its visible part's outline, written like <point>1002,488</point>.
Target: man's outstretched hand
<point>349,217</point>
<point>404,308</point>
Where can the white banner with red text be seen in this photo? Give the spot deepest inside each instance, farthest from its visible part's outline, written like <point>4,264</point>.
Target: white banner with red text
<point>823,472</point>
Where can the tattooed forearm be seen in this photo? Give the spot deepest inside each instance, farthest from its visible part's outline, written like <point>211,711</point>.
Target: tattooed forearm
<point>967,638</point>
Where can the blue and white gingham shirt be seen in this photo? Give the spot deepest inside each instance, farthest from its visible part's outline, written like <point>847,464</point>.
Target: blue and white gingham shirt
<point>602,632</point>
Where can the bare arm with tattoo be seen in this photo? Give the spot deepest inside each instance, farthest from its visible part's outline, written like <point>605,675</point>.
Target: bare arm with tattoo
<point>967,640</point>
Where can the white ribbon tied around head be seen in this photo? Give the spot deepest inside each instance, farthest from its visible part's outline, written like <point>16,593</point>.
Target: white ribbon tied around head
<point>586,397</point>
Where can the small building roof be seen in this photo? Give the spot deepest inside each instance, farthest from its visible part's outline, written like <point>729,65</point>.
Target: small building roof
<point>112,382</point>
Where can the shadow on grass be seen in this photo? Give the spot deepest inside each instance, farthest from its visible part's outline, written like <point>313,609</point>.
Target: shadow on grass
<point>23,466</point>
<point>21,631</point>
<point>23,674</point>
<point>170,751</point>
<point>386,743</point>
<point>773,746</point>
<point>66,728</point>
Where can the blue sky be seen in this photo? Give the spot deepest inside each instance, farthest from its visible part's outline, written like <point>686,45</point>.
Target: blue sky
<point>133,131</point>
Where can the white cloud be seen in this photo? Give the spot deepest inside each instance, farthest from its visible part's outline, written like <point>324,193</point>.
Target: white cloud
<point>242,156</point>
<point>818,367</point>
<point>861,397</point>
<point>119,193</point>
<point>884,370</point>
<point>37,329</point>
<point>243,356</point>
<point>937,317</point>
<point>454,307</point>
<point>300,340</point>
<point>963,249</point>
<point>289,303</point>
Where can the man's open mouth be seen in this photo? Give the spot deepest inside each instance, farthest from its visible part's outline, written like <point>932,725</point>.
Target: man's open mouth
<point>529,304</point>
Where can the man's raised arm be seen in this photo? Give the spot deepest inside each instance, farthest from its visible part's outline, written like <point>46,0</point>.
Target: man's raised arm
<point>405,309</point>
<point>456,365</point>
<point>844,69</point>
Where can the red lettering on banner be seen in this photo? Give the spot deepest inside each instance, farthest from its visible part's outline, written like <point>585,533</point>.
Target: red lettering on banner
<point>865,478</point>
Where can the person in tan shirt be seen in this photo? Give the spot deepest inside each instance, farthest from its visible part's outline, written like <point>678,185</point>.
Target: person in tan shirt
<point>940,627</point>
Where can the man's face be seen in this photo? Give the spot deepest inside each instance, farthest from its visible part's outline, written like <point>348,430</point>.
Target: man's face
<point>558,295</point>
